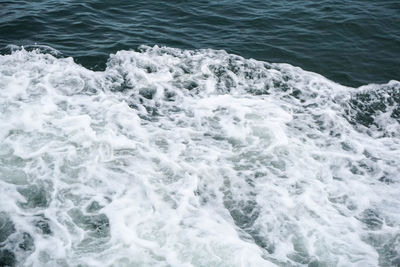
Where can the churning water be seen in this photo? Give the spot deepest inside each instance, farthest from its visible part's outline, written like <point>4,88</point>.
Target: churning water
<point>187,156</point>
<point>177,158</point>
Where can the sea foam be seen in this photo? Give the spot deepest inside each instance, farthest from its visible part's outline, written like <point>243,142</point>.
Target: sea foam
<point>174,157</point>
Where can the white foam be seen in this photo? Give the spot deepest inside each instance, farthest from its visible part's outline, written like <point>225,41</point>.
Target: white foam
<point>196,158</point>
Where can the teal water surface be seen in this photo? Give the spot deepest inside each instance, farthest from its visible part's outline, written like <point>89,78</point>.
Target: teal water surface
<point>351,42</point>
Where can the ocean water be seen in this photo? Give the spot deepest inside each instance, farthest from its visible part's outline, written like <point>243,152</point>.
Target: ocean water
<point>187,133</point>
<point>353,42</point>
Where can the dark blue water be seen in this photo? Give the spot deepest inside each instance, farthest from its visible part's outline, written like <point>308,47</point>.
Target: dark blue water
<point>351,42</point>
